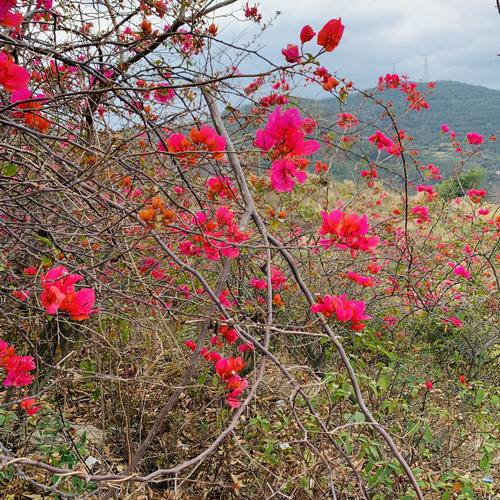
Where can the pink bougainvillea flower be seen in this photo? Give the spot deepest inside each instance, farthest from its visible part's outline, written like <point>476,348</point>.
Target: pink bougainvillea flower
<point>454,321</point>
<point>164,94</point>
<point>349,231</point>
<point>258,284</point>
<point>17,368</point>
<point>284,173</point>
<point>46,4</point>
<point>474,138</point>
<point>59,294</point>
<point>285,133</point>
<point>12,76</point>
<point>5,6</point>
<point>79,305</point>
<point>381,140</point>
<point>306,34</point>
<point>291,53</point>
<point>461,271</point>
<point>12,20</point>
<point>220,186</point>
<point>428,385</point>
<point>344,310</point>
<point>445,128</point>
<point>330,35</point>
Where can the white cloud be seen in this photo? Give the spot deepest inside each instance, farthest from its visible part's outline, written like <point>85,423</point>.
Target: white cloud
<point>459,36</point>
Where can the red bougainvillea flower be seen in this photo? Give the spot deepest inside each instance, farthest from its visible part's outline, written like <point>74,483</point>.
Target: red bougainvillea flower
<point>348,230</point>
<point>27,403</point>
<point>330,35</point>
<point>291,53</point>
<point>21,294</point>
<point>227,368</point>
<point>12,76</point>
<point>346,120</point>
<point>428,385</point>
<point>306,34</point>
<point>32,119</point>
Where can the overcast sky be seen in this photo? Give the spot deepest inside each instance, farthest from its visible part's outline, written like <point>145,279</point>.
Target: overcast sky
<point>460,37</point>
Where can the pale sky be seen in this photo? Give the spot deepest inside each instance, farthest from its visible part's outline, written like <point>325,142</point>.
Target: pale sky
<point>460,37</point>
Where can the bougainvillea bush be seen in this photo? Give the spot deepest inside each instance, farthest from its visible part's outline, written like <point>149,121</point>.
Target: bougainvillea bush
<point>193,307</point>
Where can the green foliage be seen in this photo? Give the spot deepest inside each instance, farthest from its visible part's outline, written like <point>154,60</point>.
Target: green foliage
<point>456,187</point>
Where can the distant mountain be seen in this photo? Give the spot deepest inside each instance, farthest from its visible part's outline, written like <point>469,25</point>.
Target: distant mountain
<point>464,108</point>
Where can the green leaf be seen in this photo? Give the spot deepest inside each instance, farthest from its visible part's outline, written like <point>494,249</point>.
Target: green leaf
<point>479,396</point>
<point>414,429</point>
<point>427,437</point>
<point>45,240</point>
<point>467,490</point>
<point>10,169</point>
<point>484,463</point>
<point>46,260</point>
<point>383,382</point>
<point>359,417</point>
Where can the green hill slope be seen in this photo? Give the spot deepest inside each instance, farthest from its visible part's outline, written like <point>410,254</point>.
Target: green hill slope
<point>464,108</point>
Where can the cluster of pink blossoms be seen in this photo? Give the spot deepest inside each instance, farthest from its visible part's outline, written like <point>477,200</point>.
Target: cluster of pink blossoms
<point>383,142</point>
<point>474,138</point>
<point>59,294</point>
<point>283,137</point>
<point>17,367</point>
<point>220,236</point>
<point>461,271</point>
<point>422,214</point>
<point>343,309</point>
<point>414,97</point>
<point>348,231</point>
<point>277,279</point>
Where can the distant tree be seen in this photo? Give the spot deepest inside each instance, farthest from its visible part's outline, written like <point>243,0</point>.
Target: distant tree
<point>458,186</point>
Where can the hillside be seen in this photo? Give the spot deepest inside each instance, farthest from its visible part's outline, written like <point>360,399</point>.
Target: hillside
<point>465,108</point>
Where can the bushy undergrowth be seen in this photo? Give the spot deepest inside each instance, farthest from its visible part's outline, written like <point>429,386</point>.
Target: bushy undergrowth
<point>186,318</point>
